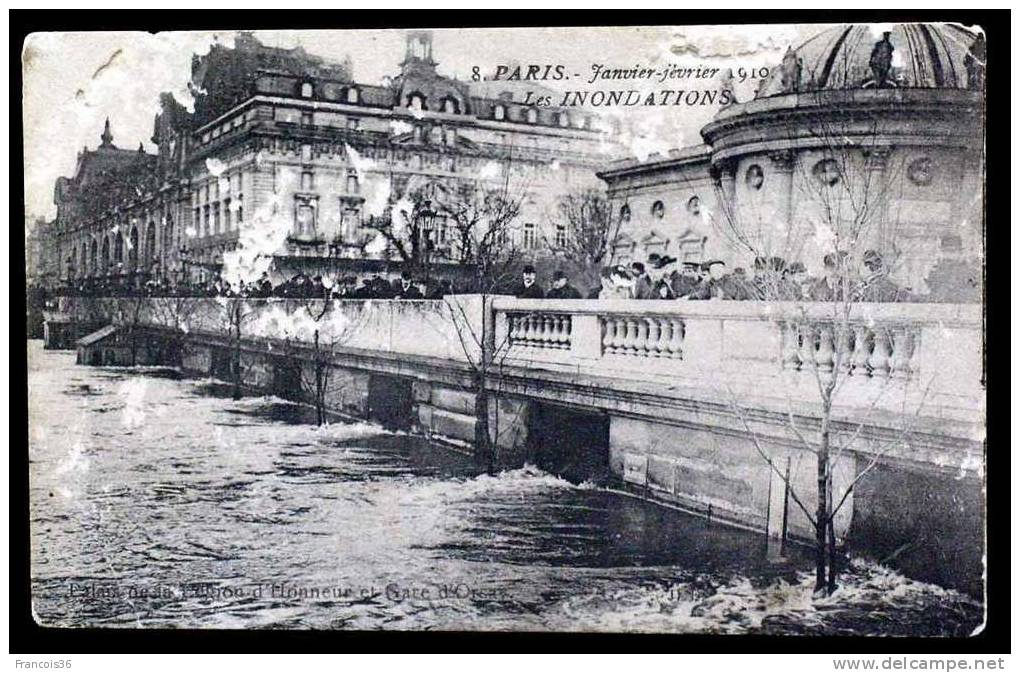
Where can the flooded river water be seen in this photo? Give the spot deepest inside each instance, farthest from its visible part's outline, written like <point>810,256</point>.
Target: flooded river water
<point>158,501</point>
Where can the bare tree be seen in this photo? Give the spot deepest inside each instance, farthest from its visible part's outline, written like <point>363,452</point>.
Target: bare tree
<point>589,233</point>
<point>843,198</point>
<point>331,324</point>
<point>176,314</point>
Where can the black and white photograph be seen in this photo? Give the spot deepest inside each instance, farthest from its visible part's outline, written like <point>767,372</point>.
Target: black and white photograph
<point>596,329</point>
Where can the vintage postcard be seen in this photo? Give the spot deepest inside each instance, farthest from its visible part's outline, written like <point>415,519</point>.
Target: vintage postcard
<point>665,329</point>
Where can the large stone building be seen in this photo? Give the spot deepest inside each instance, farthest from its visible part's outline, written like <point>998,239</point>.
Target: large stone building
<point>856,141</point>
<point>285,155</point>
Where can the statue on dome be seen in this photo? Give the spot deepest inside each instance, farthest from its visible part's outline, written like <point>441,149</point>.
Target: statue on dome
<point>790,71</point>
<point>881,63</point>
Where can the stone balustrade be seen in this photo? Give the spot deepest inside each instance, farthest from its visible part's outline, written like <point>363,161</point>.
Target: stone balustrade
<point>928,354</point>
<point>856,348</point>
<point>931,353</point>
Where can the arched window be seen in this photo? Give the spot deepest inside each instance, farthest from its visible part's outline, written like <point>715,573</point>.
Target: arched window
<point>306,89</point>
<point>625,213</point>
<point>133,249</point>
<point>564,119</point>
<point>451,106</point>
<point>105,257</point>
<point>499,112</point>
<point>755,177</point>
<point>694,206</point>
<point>658,210</point>
<point>352,95</point>
<point>532,115</point>
<point>118,248</point>
<point>150,243</point>
<point>94,258</point>
<point>416,101</point>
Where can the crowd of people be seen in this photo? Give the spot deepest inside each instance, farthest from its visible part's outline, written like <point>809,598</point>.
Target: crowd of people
<point>299,286</point>
<point>771,279</point>
<point>659,277</point>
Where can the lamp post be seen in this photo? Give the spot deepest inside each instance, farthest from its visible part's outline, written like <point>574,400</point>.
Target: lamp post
<point>425,220</point>
<point>183,254</point>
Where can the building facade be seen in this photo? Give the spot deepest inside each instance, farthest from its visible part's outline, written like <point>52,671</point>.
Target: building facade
<point>286,156</point>
<point>854,142</point>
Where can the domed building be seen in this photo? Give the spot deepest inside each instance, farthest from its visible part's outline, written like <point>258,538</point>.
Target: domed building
<point>863,138</point>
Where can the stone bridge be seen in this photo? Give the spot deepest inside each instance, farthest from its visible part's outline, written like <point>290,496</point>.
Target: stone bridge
<point>677,402</point>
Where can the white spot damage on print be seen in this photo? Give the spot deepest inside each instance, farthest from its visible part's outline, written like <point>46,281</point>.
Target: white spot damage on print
<point>75,462</point>
<point>301,325</point>
<point>260,237</point>
<point>102,84</point>
<point>373,182</point>
<point>399,127</point>
<point>727,42</point>
<point>132,392</point>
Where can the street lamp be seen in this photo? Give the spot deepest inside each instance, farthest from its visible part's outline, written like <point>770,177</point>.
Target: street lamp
<point>183,254</point>
<point>425,221</point>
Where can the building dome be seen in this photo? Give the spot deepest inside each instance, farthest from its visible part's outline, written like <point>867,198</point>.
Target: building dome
<point>912,56</point>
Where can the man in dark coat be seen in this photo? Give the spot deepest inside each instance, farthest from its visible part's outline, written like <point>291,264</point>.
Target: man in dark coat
<point>687,281</point>
<point>408,289</point>
<point>642,282</point>
<point>876,286</point>
<point>561,288</point>
<point>529,289</point>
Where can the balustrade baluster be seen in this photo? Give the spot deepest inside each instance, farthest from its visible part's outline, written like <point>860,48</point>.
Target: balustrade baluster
<point>880,354</point>
<point>862,351</point>
<point>824,354</point>
<point>843,353</point>
<point>608,334</point>
<point>655,345</point>
<point>548,333</point>
<point>525,320</point>
<point>790,358</point>
<point>631,342</point>
<point>642,337</point>
<point>806,350</point>
<point>560,331</point>
<point>914,363</point>
<point>676,338</point>
<point>899,362</point>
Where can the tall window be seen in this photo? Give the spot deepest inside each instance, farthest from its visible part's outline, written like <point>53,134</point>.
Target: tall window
<point>305,218</point>
<point>226,214</point>
<point>532,115</point>
<point>307,181</point>
<point>352,181</point>
<point>216,218</point>
<point>561,235</point>
<point>240,209</point>
<point>499,112</point>
<point>205,221</point>
<point>306,90</point>
<point>352,95</point>
<point>530,239</point>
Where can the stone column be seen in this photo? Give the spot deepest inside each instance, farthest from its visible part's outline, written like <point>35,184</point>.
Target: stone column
<point>881,232</point>
<point>779,182</point>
